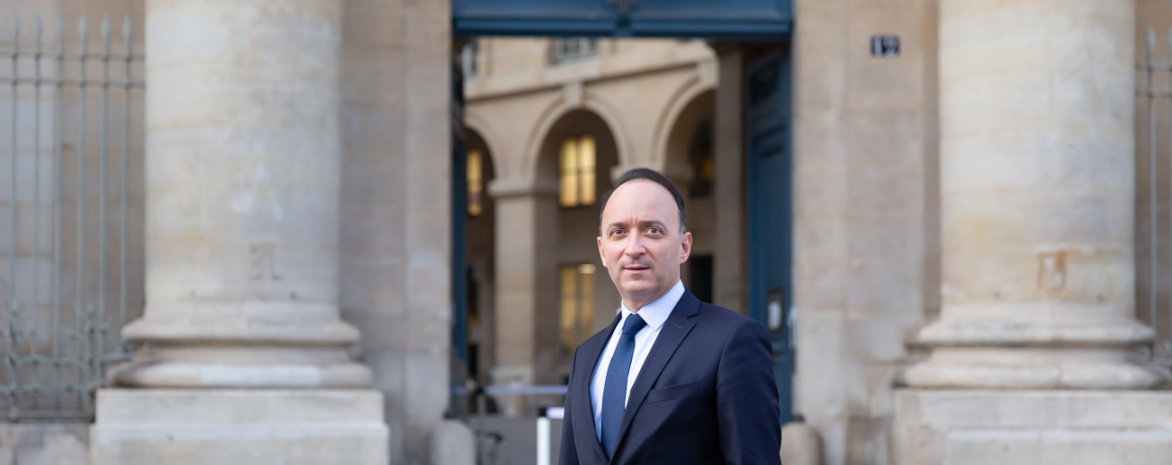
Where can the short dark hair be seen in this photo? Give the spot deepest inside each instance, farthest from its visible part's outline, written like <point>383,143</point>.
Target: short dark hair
<point>653,176</point>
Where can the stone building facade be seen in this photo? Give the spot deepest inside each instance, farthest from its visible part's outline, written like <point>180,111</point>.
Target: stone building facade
<point>966,224</point>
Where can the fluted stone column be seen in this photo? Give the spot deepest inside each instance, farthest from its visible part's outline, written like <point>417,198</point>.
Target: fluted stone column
<point>242,198</point>
<point>1037,195</point>
<point>242,176</point>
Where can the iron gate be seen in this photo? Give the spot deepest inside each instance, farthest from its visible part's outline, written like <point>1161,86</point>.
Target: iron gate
<point>1154,192</point>
<point>70,213</point>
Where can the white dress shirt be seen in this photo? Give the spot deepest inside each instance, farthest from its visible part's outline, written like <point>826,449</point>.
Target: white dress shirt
<point>655,314</point>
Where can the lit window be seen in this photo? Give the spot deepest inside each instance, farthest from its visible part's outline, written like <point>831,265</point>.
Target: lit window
<point>577,305</point>
<point>574,49</point>
<point>475,177</point>
<point>576,168</point>
<point>702,160</point>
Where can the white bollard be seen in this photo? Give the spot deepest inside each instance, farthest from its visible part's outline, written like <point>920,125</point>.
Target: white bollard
<point>453,443</point>
<point>543,446</point>
<point>800,443</point>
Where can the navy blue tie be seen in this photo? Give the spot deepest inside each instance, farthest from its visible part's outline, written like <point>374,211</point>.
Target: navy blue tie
<point>614,392</point>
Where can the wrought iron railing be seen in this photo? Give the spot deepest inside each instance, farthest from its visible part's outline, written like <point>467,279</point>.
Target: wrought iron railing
<point>1154,193</point>
<point>71,211</point>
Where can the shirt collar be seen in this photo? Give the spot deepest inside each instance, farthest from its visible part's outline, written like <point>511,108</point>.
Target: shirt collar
<point>656,312</point>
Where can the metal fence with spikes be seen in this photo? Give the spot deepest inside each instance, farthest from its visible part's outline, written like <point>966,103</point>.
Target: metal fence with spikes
<point>1154,192</point>
<point>71,211</point>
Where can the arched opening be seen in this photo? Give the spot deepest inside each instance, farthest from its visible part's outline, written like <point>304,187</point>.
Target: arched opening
<point>480,266</point>
<point>578,153</point>
<point>690,162</point>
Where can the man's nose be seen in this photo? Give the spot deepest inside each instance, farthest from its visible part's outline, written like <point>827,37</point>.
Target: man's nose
<point>635,246</point>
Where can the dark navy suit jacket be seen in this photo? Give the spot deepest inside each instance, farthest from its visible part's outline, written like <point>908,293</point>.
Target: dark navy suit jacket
<point>705,395</point>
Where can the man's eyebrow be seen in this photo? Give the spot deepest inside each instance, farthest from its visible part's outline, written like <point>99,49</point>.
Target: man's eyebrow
<point>644,223</point>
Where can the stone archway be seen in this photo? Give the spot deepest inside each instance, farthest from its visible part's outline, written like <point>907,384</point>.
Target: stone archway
<point>539,234</point>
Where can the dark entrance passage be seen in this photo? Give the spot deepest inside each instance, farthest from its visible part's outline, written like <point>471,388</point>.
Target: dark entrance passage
<point>766,101</point>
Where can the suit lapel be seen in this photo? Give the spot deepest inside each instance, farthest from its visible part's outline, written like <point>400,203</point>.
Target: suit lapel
<point>675,329</point>
<point>591,352</point>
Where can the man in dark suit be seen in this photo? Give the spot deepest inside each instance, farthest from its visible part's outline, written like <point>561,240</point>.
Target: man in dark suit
<point>672,380</point>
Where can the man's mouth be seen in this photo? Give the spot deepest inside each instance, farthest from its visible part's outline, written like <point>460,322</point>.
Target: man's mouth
<point>636,268</point>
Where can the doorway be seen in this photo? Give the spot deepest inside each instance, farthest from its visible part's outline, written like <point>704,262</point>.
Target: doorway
<point>578,38</point>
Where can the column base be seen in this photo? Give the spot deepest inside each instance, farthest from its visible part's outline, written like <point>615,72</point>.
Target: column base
<point>242,354</point>
<point>1024,354</point>
<point>1032,427</point>
<point>168,374</point>
<point>1034,368</point>
<point>257,427</point>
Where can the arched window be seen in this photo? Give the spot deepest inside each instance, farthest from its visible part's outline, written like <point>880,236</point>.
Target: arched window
<point>475,180</point>
<point>576,168</point>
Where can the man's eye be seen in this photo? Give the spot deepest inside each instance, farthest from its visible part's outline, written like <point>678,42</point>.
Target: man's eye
<point>653,230</point>
<point>615,232</point>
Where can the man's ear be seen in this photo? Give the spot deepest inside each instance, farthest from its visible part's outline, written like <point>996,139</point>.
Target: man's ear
<point>600,254</point>
<point>685,247</point>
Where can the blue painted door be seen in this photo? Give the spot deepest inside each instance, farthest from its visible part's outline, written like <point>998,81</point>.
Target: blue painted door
<point>767,147</point>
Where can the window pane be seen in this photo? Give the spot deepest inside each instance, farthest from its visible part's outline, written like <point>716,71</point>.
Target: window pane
<point>585,302</point>
<point>569,315</point>
<point>569,49</point>
<point>475,182</point>
<point>569,169</point>
<point>586,168</point>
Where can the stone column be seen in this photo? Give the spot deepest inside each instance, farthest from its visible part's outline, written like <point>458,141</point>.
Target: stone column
<point>729,273</point>
<point>242,198</point>
<point>1037,198</point>
<point>527,310</point>
<point>242,184</point>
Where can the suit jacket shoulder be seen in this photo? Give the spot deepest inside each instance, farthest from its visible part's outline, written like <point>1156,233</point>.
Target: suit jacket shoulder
<point>716,319</point>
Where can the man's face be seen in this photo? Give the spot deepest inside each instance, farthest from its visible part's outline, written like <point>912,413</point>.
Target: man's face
<point>640,241</point>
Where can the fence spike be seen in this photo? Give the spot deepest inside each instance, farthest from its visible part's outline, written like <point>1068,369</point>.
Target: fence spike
<point>15,23</point>
<point>1170,40</point>
<point>37,29</point>
<point>83,28</point>
<point>59,30</point>
<point>127,28</point>
<point>1150,40</point>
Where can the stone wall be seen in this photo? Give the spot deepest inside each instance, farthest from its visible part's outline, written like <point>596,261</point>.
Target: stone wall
<point>1028,428</point>
<point>866,226</point>
<point>44,444</point>
<point>395,223</point>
